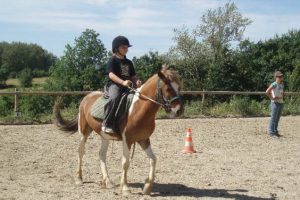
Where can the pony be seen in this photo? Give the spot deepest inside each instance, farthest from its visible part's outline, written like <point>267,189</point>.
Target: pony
<point>159,91</point>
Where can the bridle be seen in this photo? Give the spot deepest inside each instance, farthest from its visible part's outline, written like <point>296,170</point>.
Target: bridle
<point>166,103</point>
<point>160,98</point>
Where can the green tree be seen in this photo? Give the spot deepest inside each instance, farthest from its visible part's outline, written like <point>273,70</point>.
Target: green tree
<point>147,65</point>
<point>4,72</point>
<point>203,54</point>
<point>294,77</point>
<point>14,57</point>
<point>82,66</point>
<point>223,75</point>
<point>256,62</point>
<point>17,56</point>
<point>191,57</point>
<point>221,26</point>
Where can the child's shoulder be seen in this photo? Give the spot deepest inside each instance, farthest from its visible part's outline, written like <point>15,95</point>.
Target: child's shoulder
<point>114,60</point>
<point>274,84</point>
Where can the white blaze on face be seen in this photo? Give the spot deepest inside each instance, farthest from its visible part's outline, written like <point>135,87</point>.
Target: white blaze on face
<point>176,87</point>
<point>177,107</point>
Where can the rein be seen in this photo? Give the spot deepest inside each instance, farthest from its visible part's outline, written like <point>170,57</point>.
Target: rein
<point>166,103</point>
<point>144,96</point>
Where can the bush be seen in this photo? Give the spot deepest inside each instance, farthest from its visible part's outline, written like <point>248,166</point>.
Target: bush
<point>36,106</point>
<point>195,109</point>
<point>241,107</point>
<point>291,106</point>
<point>6,105</point>
<point>220,110</point>
<point>25,77</point>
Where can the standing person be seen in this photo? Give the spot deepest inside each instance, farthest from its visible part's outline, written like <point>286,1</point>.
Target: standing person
<point>275,93</point>
<point>121,75</point>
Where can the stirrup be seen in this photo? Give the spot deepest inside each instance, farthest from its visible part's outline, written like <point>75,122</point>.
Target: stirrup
<point>107,130</point>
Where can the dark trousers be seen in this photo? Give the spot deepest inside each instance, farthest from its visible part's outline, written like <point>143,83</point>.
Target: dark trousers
<point>115,92</point>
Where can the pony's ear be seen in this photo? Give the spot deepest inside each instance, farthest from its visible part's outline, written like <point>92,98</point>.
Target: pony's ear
<point>162,76</point>
<point>164,73</point>
<point>165,67</point>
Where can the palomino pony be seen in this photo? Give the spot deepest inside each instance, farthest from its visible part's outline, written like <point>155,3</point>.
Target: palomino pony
<point>161,90</point>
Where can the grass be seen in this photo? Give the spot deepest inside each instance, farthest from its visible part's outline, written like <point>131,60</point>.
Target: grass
<point>13,82</point>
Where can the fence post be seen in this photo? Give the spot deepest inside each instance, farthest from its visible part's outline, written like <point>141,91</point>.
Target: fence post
<point>203,97</point>
<point>17,113</point>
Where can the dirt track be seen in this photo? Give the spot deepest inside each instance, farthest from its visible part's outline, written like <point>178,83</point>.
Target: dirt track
<point>235,159</point>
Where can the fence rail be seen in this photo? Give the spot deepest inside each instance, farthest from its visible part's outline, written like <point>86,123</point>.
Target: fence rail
<point>203,93</point>
<point>61,93</point>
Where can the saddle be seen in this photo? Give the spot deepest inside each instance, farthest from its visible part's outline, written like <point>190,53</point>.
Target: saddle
<point>98,108</point>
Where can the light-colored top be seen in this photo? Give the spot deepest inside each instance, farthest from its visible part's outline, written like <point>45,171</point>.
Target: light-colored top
<point>277,91</point>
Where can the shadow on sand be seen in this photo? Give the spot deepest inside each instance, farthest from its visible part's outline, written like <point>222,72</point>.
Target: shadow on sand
<point>176,190</point>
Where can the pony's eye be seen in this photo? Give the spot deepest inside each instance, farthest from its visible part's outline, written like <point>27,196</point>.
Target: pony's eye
<point>169,89</point>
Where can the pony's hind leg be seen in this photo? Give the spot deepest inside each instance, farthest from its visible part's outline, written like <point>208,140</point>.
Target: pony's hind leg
<point>81,151</point>
<point>102,155</point>
<point>84,131</point>
<point>146,146</point>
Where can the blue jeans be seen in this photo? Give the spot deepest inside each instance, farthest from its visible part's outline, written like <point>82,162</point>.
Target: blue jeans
<point>275,116</point>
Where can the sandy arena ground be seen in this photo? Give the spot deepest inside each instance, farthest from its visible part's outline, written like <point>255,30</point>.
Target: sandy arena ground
<point>235,159</point>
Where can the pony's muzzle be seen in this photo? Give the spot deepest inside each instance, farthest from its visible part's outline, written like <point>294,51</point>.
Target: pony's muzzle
<point>177,110</point>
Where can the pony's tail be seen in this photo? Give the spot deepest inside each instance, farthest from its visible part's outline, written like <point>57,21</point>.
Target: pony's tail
<point>62,124</point>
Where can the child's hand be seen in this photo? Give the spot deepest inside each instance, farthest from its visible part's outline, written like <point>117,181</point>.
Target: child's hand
<point>139,83</point>
<point>276,98</point>
<point>127,83</point>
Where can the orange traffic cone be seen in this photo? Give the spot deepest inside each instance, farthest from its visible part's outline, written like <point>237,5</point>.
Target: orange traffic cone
<point>188,146</point>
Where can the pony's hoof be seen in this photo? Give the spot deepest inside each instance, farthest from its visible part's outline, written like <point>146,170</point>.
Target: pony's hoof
<point>148,187</point>
<point>79,182</point>
<point>106,184</point>
<point>126,192</point>
<point>109,185</point>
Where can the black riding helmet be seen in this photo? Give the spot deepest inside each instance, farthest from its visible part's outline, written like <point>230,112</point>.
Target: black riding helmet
<point>118,41</point>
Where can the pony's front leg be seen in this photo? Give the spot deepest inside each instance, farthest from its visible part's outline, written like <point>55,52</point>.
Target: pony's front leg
<point>146,146</point>
<point>102,155</point>
<point>125,166</point>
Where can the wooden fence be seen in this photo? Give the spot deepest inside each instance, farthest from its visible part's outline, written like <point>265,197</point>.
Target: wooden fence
<point>203,93</point>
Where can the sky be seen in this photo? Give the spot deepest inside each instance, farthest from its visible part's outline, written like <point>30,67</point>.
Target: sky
<point>148,24</point>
